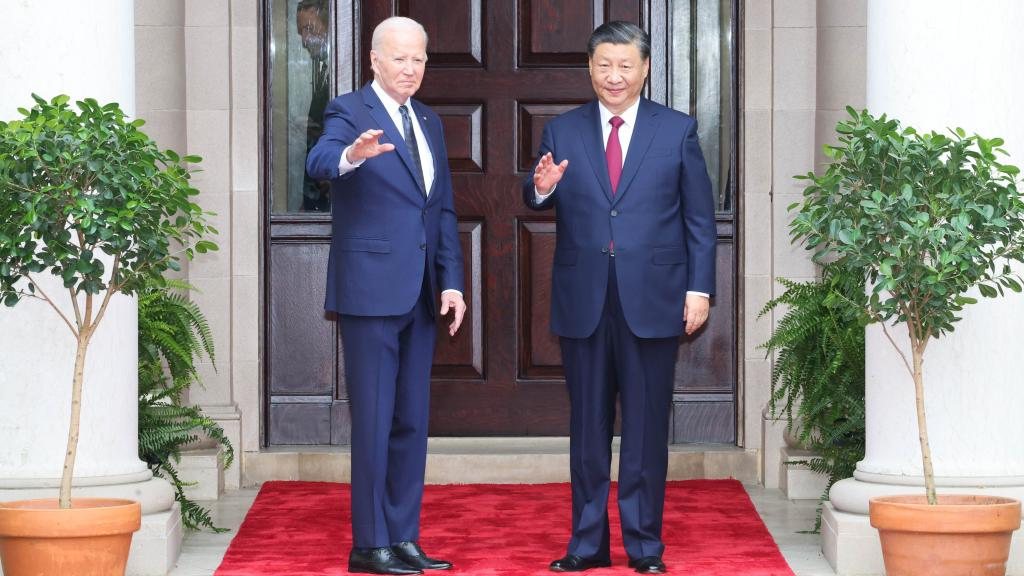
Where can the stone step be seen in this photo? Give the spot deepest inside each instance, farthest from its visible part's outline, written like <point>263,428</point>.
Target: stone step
<point>494,461</point>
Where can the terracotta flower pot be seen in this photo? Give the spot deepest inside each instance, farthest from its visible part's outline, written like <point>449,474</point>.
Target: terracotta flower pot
<point>962,535</point>
<point>91,538</point>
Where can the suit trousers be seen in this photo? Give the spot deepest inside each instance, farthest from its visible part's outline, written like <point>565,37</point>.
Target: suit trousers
<point>387,370</point>
<point>640,371</point>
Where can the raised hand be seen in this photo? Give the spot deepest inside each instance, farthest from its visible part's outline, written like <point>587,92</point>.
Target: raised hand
<point>368,145</point>
<point>548,174</point>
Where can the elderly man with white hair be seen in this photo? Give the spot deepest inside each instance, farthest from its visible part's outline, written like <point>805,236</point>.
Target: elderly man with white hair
<point>394,246</point>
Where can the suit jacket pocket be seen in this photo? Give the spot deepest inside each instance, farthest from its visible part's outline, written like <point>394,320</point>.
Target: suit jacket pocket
<point>665,256</point>
<point>364,245</point>
<point>566,257</point>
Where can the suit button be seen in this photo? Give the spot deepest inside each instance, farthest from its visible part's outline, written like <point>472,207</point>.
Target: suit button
<point>423,246</point>
<point>615,213</point>
<point>604,250</point>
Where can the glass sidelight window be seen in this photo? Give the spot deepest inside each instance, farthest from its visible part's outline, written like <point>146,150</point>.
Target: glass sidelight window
<point>702,83</point>
<point>300,87</point>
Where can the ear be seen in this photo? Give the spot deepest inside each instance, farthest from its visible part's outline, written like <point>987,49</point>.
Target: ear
<point>373,62</point>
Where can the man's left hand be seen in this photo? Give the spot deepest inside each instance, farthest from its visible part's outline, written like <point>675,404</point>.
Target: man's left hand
<point>696,312</point>
<point>453,300</point>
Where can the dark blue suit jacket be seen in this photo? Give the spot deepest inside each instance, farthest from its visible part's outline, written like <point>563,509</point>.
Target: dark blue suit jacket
<point>386,232</point>
<point>661,218</point>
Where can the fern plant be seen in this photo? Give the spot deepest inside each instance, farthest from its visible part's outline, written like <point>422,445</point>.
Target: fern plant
<point>173,336</point>
<point>818,377</point>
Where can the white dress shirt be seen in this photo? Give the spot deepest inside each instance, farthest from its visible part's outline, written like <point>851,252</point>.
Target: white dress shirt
<point>392,107</point>
<point>625,135</point>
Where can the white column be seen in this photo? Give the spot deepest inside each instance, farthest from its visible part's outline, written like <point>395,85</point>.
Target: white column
<point>935,65</point>
<point>83,49</point>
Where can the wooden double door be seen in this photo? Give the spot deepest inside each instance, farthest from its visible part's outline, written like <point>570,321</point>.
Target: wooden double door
<point>497,71</point>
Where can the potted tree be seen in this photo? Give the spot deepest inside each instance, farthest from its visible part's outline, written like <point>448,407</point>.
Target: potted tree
<point>87,197</point>
<point>928,218</point>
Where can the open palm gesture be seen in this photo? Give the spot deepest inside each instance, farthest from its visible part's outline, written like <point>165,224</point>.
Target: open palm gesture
<point>368,145</point>
<point>547,174</point>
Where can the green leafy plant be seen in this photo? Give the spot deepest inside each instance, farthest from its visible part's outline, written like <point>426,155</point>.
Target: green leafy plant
<point>818,375</point>
<point>73,185</point>
<point>927,217</point>
<point>173,336</point>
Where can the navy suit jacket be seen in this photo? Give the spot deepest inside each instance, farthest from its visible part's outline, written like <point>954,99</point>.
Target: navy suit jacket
<point>386,231</point>
<point>661,218</point>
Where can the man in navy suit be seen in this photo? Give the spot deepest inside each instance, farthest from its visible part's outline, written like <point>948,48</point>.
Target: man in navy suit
<point>395,244</point>
<point>634,267</point>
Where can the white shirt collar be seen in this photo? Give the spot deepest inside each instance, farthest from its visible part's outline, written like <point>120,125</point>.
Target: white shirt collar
<point>628,115</point>
<point>389,103</point>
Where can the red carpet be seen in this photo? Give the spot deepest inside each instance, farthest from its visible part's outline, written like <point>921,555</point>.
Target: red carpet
<point>302,529</point>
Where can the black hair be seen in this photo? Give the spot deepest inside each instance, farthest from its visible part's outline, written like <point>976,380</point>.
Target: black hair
<point>620,32</point>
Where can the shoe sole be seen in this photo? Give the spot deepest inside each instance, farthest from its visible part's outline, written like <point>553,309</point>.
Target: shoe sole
<point>360,571</point>
<point>560,570</point>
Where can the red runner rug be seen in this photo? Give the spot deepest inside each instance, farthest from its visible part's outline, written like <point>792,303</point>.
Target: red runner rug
<point>302,529</point>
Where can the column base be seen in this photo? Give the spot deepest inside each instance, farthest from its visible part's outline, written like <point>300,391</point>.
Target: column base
<point>797,481</point>
<point>157,545</point>
<point>850,543</point>
<point>772,443</point>
<point>228,417</point>
<point>201,469</point>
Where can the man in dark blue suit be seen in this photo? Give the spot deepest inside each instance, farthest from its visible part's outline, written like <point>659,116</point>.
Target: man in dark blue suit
<point>395,244</point>
<point>634,268</point>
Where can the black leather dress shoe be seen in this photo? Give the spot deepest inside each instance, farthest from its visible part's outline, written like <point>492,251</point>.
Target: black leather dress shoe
<point>378,561</point>
<point>412,554</point>
<point>648,565</point>
<point>573,563</point>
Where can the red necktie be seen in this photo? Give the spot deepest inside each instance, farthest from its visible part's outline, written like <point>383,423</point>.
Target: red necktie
<point>613,153</point>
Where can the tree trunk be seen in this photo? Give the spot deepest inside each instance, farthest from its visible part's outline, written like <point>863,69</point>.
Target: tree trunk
<point>76,412</point>
<point>922,426</point>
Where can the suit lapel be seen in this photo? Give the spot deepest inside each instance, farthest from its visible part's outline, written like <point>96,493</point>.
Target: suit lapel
<point>643,135</point>
<point>391,133</point>
<point>593,143</point>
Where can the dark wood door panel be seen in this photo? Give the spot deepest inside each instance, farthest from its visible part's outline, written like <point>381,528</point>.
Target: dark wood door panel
<point>456,32</point>
<point>462,356</point>
<point>303,348</point>
<point>706,362</point>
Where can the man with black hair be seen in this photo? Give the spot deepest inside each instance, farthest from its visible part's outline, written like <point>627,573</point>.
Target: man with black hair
<point>634,268</point>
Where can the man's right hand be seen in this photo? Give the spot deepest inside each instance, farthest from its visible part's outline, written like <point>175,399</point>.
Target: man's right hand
<point>367,146</point>
<point>548,174</point>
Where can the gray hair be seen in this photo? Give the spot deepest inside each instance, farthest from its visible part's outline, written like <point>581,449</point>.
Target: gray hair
<point>620,32</point>
<point>395,23</point>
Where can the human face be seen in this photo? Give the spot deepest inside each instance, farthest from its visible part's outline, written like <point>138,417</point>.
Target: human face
<point>399,63</point>
<point>312,30</point>
<point>618,72</point>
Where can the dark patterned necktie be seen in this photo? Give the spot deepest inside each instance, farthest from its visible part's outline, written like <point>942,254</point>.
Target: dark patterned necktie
<point>414,149</point>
